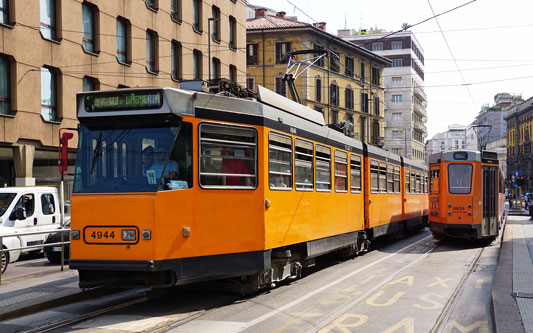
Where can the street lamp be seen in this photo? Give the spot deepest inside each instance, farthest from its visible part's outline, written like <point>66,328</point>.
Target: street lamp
<point>209,20</point>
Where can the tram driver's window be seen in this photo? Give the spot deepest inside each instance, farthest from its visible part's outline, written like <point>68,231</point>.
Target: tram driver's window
<point>181,154</point>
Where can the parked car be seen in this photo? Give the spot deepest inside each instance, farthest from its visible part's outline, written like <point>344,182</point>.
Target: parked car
<point>24,210</point>
<point>53,253</point>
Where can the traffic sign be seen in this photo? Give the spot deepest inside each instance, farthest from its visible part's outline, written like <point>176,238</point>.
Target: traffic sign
<point>516,174</point>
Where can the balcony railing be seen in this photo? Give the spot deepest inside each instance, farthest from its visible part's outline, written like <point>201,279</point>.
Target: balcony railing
<point>420,93</point>
<point>420,109</point>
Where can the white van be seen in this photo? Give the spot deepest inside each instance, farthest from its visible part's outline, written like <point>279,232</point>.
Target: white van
<point>26,209</point>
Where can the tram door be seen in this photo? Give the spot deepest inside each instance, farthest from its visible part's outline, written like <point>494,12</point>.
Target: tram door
<point>489,224</point>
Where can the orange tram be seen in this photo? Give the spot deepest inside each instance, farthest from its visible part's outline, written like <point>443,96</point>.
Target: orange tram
<point>174,186</point>
<point>466,196</point>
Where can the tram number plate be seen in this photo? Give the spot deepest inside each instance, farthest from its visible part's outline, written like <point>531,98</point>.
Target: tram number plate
<point>106,235</point>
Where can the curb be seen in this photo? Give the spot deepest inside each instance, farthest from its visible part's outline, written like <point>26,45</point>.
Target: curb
<point>505,314</point>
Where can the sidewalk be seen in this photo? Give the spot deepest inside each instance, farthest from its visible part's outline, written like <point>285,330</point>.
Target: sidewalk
<point>512,291</point>
<point>40,291</point>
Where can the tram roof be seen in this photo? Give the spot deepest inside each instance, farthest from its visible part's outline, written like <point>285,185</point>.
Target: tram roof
<point>464,155</point>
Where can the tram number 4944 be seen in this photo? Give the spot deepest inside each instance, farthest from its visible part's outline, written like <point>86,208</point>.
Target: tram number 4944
<point>104,235</point>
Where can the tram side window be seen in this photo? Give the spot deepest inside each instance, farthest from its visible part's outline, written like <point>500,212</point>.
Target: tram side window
<point>426,184</point>
<point>228,156</point>
<point>459,178</point>
<point>413,182</point>
<point>374,174</point>
<point>323,168</point>
<point>396,179</point>
<point>418,183</point>
<point>407,181</point>
<point>303,165</point>
<point>390,178</point>
<point>355,173</point>
<point>341,171</point>
<point>382,177</point>
<point>280,161</point>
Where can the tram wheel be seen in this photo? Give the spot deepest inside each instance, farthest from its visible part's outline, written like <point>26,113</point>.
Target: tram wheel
<point>437,236</point>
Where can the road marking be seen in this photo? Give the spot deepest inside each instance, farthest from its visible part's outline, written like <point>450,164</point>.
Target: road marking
<point>479,326</point>
<point>344,294</point>
<point>371,277</point>
<point>407,323</point>
<point>299,316</point>
<point>345,327</point>
<point>372,300</point>
<point>439,282</point>
<point>327,286</point>
<point>479,283</point>
<point>408,280</point>
<point>425,298</point>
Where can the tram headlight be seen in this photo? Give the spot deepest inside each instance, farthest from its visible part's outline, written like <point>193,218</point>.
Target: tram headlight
<point>74,234</point>
<point>129,234</point>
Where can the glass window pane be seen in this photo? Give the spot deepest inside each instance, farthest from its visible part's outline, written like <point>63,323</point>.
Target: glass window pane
<point>459,178</point>
<point>88,84</point>
<point>121,40</point>
<point>48,94</point>
<point>87,28</point>
<point>341,171</point>
<point>355,178</point>
<point>279,161</point>
<point>4,85</point>
<point>303,165</point>
<point>47,9</point>
<point>4,11</point>
<point>323,168</point>
<point>374,172</point>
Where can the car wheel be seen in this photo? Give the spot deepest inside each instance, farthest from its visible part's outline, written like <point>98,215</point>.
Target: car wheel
<point>5,261</point>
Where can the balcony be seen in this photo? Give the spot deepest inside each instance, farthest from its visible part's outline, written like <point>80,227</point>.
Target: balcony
<point>420,109</point>
<point>420,93</point>
<point>420,126</point>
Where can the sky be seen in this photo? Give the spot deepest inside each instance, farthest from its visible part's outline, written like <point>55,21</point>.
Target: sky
<point>471,53</point>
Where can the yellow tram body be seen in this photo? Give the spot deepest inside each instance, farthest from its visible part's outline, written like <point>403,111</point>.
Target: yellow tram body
<point>306,191</point>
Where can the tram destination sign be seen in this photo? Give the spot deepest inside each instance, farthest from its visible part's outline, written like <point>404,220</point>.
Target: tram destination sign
<point>124,101</point>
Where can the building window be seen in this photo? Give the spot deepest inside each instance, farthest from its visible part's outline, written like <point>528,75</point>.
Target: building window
<point>397,45</point>
<point>396,98</point>
<point>396,134</point>
<point>5,90</point>
<point>49,94</point>
<point>197,64</point>
<point>233,73</point>
<point>377,46</point>
<point>152,4</point>
<point>364,102</point>
<point>397,63</point>
<point>349,66</point>
<point>123,34</point>
<point>89,12</point>
<point>215,69</point>
<point>250,83</point>
<point>232,33</point>
<point>175,10</point>
<point>397,116</point>
<point>334,60</point>
<point>281,88</point>
<point>151,51</point>
<point>362,71</point>
<point>349,97</point>
<point>4,11</point>
<point>334,98</point>
<point>175,55</point>
<point>48,19</point>
<point>320,61</point>
<point>90,84</point>
<point>376,106</point>
<point>215,24</point>
<point>282,48</point>
<point>197,15</point>
<point>252,57</point>
<point>375,76</point>
<point>334,117</point>
<point>318,83</point>
<point>396,80</point>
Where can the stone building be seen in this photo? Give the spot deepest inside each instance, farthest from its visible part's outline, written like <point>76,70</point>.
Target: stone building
<point>52,49</point>
<point>346,86</point>
<point>405,101</point>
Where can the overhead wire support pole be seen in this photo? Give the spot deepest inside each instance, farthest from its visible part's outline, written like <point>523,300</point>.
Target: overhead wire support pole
<point>293,68</point>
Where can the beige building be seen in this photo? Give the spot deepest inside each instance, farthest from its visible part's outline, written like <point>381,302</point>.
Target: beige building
<point>52,49</point>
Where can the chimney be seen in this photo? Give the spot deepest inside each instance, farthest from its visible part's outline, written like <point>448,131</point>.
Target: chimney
<point>320,25</point>
<point>280,15</point>
<point>344,32</point>
<point>260,12</point>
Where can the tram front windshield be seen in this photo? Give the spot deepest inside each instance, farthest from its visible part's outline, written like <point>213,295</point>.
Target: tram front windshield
<point>130,160</point>
<point>459,178</point>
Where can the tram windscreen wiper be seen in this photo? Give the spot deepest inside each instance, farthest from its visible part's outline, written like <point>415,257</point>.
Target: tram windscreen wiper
<point>96,152</point>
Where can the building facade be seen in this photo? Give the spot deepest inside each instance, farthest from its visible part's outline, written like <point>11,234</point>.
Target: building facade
<point>405,101</point>
<point>346,86</point>
<point>520,142</point>
<point>454,138</point>
<point>52,49</point>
